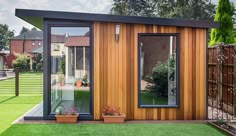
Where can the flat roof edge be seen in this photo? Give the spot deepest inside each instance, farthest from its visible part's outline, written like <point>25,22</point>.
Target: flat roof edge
<point>22,13</point>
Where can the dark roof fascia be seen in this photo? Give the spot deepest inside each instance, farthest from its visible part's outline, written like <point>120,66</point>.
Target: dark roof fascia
<point>31,15</point>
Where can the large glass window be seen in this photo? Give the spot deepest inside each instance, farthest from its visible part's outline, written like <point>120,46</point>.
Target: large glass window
<point>158,70</point>
<point>70,71</point>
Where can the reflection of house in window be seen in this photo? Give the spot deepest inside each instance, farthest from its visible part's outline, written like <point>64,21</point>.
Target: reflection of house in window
<point>81,51</point>
<point>57,51</point>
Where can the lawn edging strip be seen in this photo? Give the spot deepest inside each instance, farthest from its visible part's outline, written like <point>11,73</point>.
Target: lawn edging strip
<point>220,128</point>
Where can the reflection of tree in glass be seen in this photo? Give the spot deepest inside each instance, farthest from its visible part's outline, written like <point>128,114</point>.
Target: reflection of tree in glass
<point>158,79</point>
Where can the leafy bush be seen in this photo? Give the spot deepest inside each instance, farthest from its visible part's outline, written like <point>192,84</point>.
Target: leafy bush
<point>158,80</point>
<point>39,66</point>
<point>22,61</point>
<point>34,65</point>
<point>62,66</point>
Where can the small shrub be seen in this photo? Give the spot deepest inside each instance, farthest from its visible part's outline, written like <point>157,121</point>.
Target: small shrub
<point>39,66</point>
<point>22,61</point>
<point>34,65</point>
<point>220,121</point>
<point>158,80</point>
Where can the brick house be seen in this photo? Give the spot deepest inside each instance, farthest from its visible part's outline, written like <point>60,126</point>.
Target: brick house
<point>24,44</point>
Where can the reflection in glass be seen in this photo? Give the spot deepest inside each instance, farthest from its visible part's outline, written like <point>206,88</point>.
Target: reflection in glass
<point>70,71</point>
<point>158,70</point>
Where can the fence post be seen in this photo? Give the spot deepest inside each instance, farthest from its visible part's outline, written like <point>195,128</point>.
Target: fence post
<point>17,81</point>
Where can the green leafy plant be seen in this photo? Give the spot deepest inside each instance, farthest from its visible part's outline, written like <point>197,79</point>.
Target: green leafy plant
<point>158,79</point>
<point>22,61</point>
<point>59,111</point>
<point>85,80</point>
<point>67,111</point>
<point>219,121</point>
<point>62,66</point>
<point>39,66</point>
<point>224,14</point>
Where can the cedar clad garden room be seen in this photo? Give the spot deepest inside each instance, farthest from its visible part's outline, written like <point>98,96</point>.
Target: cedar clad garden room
<point>152,68</point>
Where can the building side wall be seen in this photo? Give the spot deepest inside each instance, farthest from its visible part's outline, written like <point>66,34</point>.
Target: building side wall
<point>116,72</point>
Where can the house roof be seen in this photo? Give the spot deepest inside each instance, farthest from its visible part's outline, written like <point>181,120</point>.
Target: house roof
<point>35,17</point>
<point>77,41</point>
<point>30,35</point>
<point>57,38</point>
<point>38,50</point>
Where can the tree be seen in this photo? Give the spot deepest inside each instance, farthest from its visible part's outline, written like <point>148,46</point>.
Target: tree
<point>131,8</point>
<point>190,9</point>
<point>224,14</point>
<point>5,36</point>
<point>187,9</point>
<point>24,29</point>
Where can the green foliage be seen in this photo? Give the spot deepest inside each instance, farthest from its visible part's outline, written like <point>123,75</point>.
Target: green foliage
<point>34,65</point>
<point>220,121</point>
<point>224,14</point>
<point>187,9</point>
<point>131,8</point>
<point>24,29</point>
<point>5,35</point>
<point>62,66</point>
<point>38,63</point>
<point>22,61</point>
<point>158,80</point>
<point>39,66</point>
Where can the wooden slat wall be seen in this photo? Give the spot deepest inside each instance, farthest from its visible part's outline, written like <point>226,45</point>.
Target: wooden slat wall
<point>116,76</point>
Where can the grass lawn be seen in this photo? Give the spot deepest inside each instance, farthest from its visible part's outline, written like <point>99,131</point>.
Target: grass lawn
<point>29,83</point>
<point>112,130</point>
<point>12,107</point>
<point>148,99</point>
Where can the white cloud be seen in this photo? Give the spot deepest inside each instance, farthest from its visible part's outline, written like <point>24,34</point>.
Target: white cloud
<point>7,9</point>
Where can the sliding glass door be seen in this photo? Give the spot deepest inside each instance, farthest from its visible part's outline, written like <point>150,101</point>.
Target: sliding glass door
<point>70,69</point>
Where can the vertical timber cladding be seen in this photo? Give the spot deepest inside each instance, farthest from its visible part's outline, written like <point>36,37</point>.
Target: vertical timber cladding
<point>116,72</point>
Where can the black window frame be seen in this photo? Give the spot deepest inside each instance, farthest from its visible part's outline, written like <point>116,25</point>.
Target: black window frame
<point>47,25</point>
<point>140,105</point>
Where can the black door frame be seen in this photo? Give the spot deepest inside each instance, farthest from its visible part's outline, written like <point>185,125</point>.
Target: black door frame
<point>47,24</point>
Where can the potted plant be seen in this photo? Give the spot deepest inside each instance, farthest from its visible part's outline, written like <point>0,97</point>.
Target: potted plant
<point>61,79</point>
<point>79,83</point>
<point>113,115</point>
<point>85,80</point>
<point>66,117</point>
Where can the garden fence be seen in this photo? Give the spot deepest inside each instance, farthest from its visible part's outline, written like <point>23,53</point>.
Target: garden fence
<point>17,82</point>
<point>221,82</point>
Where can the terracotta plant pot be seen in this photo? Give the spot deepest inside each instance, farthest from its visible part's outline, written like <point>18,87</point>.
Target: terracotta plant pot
<point>67,118</point>
<point>79,83</point>
<point>62,83</point>
<point>114,118</point>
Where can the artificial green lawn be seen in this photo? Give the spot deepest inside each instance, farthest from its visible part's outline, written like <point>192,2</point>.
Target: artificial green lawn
<point>112,130</point>
<point>147,99</point>
<point>12,107</point>
<point>29,83</point>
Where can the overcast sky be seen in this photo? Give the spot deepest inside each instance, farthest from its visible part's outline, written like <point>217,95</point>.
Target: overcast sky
<point>7,9</point>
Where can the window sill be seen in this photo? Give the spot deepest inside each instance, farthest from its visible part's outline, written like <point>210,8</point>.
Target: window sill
<point>158,106</point>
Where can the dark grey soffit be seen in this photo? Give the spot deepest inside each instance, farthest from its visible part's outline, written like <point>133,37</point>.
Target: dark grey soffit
<point>35,17</point>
